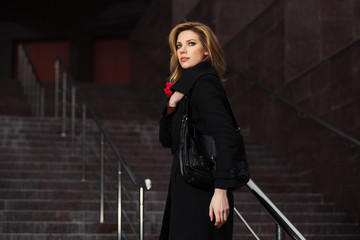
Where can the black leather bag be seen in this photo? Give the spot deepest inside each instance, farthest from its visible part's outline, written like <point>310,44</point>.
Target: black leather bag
<point>198,156</point>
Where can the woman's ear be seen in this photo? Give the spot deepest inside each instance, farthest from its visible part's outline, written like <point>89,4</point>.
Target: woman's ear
<point>206,53</point>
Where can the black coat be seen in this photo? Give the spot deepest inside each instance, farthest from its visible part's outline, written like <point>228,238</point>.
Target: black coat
<point>210,113</point>
<point>186,215</point>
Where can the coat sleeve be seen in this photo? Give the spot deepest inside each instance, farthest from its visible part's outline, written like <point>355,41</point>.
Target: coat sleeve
<point>165,129</point>
<point>211,101</point>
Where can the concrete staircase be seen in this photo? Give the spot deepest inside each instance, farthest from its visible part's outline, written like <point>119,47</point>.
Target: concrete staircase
<point>42,195</point>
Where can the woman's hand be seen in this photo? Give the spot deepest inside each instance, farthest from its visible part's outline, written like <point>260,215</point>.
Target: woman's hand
<point>175,98</point>
<point>219,206</point>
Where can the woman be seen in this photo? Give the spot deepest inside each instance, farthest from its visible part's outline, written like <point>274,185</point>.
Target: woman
<point>197,64</point>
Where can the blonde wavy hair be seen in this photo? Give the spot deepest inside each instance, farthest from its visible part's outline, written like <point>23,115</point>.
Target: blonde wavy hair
<point>208,40</point>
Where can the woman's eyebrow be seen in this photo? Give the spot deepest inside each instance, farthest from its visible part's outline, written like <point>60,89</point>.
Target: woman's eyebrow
<point>188,40</point>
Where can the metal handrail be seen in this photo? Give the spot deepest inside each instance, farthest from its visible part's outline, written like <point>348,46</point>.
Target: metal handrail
<point>282,223</point>
<point>30,81</point>
<point>297,108</point>
<point>105,137</point>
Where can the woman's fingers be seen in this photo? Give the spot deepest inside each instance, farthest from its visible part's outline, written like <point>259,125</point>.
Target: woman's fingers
<point>211,213</point>
<point>221,218</point>
<point>175,98</point>
<point>219,206</point>
<point>218,219</point>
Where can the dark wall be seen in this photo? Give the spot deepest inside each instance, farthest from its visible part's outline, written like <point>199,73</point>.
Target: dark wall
<point>149,53</point>
<point>307,51</point>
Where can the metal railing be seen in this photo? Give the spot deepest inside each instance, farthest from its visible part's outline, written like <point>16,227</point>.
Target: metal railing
<point>63,77</point>
<point>30,82</point>
<point>282,223</point>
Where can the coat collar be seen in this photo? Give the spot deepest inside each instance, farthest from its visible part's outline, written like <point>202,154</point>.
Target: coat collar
<point>186,82</point>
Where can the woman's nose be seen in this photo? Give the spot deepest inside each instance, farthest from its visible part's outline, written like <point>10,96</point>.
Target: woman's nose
<point>183,49</point>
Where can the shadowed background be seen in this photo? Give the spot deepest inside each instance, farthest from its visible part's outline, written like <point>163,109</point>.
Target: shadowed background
<point>307,51</point>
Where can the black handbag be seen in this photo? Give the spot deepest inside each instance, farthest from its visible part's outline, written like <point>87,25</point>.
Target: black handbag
<point>198,156</point>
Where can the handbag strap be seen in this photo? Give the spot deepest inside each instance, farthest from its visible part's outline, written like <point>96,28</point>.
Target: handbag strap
<point>186,105</point>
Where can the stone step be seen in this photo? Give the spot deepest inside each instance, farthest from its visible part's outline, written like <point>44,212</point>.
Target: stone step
<point>148,160</point>
<point>93,192</point>
<point>71,180</point>
<point>60,236</point>
<point>36,179</point>
<point>31,125</point>
<point>86,204</point>
<point>27,169</point>
<point>155,216</point>
<point>95,227</point>
<point>22,163</point>
<point>58,227</point>
<point>110,236</point>
<point>41,188</point>
<point>28,174</point>
<point>61,185</point>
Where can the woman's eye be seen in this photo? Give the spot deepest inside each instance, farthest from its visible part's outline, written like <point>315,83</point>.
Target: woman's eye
<point>178,46</point>
<point>192,43</point>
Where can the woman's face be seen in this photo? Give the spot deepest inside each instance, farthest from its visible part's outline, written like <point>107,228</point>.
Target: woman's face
<point>190,50</point>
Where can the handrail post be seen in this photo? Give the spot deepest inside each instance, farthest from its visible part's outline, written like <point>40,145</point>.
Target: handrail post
<point>63,127</point>
<point>141,211</point>
<point>20,67</point>
<point>119,201</point>
<point>246,224</point>
<point>278,216</point>
<point>104,136</point>
<point>32,87</point>
<point>28,81</point>
<point>33,93</point>
<point>102,178</point>
<point>83,145</point>
<point>42,101</point>
<point>57,77</point>
<point>279,232</point>
<point>24,69</point>
<point>26,73</point>
<point>73,104</point>
<point>38,99</point>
